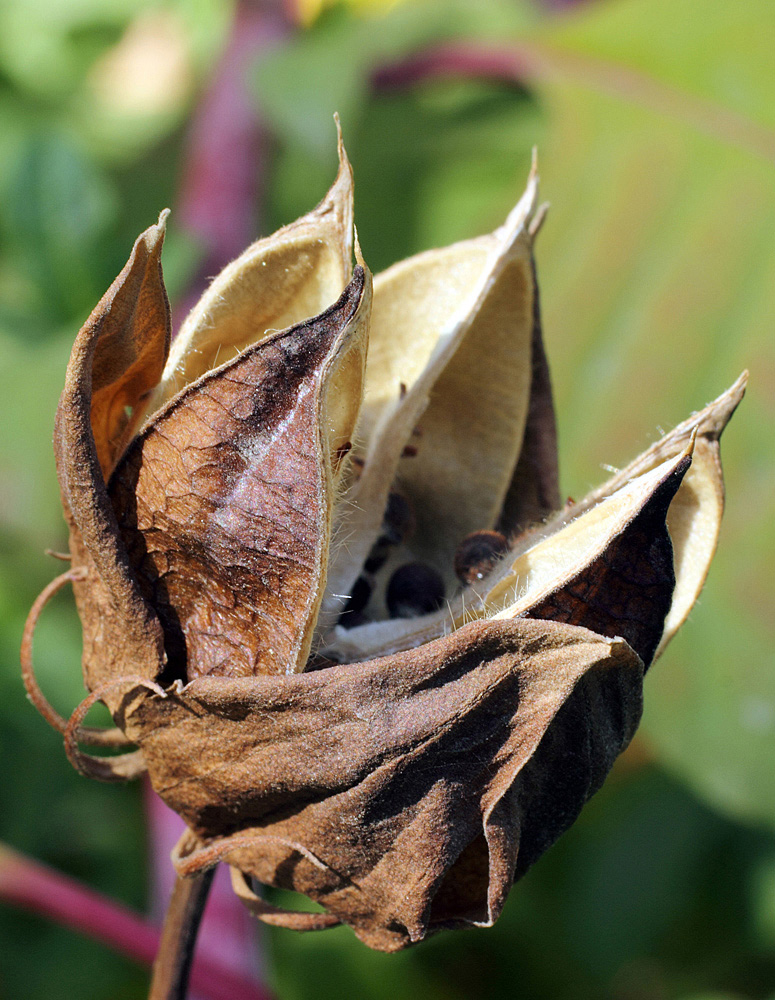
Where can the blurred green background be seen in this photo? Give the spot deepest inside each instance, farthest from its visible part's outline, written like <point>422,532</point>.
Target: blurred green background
<point>655,123</point>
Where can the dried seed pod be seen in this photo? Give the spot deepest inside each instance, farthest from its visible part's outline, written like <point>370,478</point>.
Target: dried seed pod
<point>201,514</point>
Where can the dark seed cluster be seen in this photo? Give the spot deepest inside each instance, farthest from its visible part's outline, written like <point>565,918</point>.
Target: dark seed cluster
<point>417,588</point>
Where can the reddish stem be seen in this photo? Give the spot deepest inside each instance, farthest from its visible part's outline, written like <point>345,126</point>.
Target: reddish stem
<point>42,890</point>
<point>227,149</point>
<point>507,64</point>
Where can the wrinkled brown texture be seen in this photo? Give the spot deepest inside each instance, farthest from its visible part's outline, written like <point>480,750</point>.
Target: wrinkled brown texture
<point>117,358</point>
<point>223,503</point>
<point>627,591</point>
<point>405,793</point>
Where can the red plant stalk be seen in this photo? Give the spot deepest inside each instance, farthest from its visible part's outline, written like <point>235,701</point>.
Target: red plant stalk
<point>39,889</point>
<point>226,154</point>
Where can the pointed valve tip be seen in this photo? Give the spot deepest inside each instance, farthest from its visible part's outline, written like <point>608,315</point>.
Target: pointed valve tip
<point>520,217</point>
<point>714,418</point>
<point>688,451</point>
<point>152,238</point>
<point>357,250</point>
<point>344,161</point>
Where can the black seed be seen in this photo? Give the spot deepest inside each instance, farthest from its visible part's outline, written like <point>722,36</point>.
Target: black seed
<point>478,553</point>
<point>414,589</point>
<point>359,597</point>
<point>380,550</point>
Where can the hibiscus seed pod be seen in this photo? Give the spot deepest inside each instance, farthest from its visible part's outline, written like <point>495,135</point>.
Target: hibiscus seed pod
<point>219,524</point>
<point>478,553</point>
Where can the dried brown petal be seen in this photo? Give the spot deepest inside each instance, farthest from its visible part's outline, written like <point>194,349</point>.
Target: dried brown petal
<point>224,501</point>
<point>117,358</point>
<point>403,794</point>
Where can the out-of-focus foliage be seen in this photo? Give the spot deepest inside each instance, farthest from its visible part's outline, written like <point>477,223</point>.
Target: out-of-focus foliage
<point>655,122</point>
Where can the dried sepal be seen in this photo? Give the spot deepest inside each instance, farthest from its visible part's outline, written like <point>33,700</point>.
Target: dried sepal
<point>403,794</point>
<point>275,915</point>
<point>224,501</point>
<point>117,358</point>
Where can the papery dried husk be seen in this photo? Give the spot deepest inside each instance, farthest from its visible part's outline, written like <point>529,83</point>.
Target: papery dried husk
<point>224,501</point>
<point>403,794</point>
<point>278,282</point>
<point>450,357</point>
<point>694,518</point>
<point>534,490</point>
<point>117,358</point>
<point>609,570</point>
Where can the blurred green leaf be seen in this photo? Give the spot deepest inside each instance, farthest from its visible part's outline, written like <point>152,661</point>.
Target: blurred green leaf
<point>658,280</point>
<point>328,69</point>
<point>57,205</point>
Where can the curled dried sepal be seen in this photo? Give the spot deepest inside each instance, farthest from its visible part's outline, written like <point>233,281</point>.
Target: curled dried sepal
<point>84,734</point>
<point>403,794</point>
<point>225,500</point>
<point>275,915</point>
<point>117,358</point>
